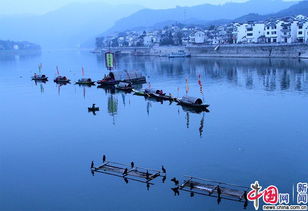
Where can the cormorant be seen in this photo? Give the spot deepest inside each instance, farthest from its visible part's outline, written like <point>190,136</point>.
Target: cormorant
<point>132,165</point>
<point>163,169</point>
<point>104,158</point>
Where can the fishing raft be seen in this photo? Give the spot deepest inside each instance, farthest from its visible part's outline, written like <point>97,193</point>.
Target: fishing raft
<point>216,189</point>
<point>131,172</point>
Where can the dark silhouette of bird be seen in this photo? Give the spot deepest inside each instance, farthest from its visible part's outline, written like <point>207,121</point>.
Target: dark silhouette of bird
<point>132,165</point>
<point>176,182</point>
<point>176,191</point>
<point>104,158</point>
<point>164,179</point>
<point>163,169</point>
<point>125,171</point>
<point>191,185</point>
<point>147,175</point>
<point>92,164</point>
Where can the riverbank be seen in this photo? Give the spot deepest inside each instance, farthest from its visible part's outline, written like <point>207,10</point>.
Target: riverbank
<point>236,50</point>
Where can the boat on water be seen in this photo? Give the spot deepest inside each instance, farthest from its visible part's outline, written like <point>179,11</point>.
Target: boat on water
<point>85,81</point>
<point>159,94</point>
<point>62,80</point>
<point>123,86</point>
<point>193,102</point>
<point>179,54</point>
<point>140,93</point>
<point>39,77</point>
<point>116,77</point>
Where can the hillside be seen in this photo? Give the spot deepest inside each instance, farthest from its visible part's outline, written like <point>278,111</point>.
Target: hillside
<point>202,13</point>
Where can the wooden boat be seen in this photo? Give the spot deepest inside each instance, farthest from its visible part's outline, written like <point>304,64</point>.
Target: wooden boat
<point>39,77</point>
<point>216,189</point>
<point>62,80</point>
<point>159,94</point>
<point>128,171</point>
<point>85,81</point>
<point>140,93</point>
<point>93,108</point>
<point>116,77</point>
<point>193,102</point>
<point>127,87</point>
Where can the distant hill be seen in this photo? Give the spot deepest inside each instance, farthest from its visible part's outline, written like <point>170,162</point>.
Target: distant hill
<point>301,8</point>
<point>203,13</point>
<point>67,27</point>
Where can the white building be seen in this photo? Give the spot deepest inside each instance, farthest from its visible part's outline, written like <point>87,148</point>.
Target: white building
<point>249,33</point>
<point>198,37</point>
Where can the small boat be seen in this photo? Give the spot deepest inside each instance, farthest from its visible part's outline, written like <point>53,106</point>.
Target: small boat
<point>116,77</point>
<point>124,86</point>
<point>179,54</point>
<point>85,81</point>
<point>193,102</point>
<point>62,80</point>
<point>140,93</point>
<point>39,77</point>
<point>159,94</point>
<point>93,108</point>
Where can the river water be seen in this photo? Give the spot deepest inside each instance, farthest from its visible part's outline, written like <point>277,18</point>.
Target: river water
<point>256,130</point>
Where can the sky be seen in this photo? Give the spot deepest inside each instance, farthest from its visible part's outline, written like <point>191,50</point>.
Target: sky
<point>13,7</point>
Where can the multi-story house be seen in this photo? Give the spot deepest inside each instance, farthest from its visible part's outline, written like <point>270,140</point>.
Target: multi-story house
<point>249,32</point>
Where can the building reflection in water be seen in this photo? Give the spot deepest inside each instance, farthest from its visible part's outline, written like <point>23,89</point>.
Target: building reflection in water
<point>112,107</point>
<point>264,74</point>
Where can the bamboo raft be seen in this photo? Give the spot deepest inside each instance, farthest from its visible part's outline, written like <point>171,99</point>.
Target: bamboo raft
<point>131,172</point>
<point>215,189</point>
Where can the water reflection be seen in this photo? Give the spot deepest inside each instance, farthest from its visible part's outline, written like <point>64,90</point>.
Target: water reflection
<point>266,74</point>
<point>112,107</point>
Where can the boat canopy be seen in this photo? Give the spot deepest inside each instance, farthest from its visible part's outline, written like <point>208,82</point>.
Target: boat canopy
<point>192,100</point>
<point>124,84</point>
<point>125,75</point>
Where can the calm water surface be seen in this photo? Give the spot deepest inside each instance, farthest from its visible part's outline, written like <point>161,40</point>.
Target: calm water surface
<point>256,130</point>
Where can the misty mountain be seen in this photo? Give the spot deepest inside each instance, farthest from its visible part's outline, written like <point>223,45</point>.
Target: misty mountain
<point>206,12</point>
<point>300,8</point>
<point>69,26</point>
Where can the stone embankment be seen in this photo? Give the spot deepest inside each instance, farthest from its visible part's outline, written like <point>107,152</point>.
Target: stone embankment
<point>236,50</point>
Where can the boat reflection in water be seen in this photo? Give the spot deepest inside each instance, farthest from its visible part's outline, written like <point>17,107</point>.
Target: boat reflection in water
<point>112,107</point>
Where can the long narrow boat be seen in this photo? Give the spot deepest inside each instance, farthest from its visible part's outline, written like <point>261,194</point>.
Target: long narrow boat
<point>62,80</point>
<point>140,93</point>
<point>116,77</point>
<point>42,77</point>
<point>123,86</point>
<point>159,94</point>
<point>193,102</point>
<point>85,81</point>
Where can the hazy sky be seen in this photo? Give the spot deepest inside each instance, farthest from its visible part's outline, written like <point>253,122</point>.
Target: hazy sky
<point>43,6</point>
<point>8,7</point>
